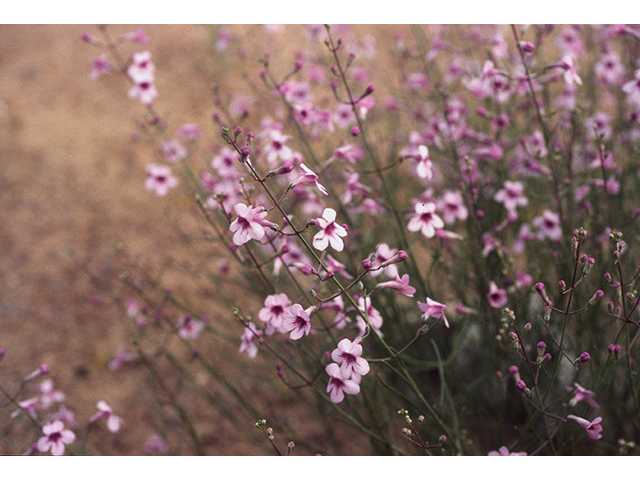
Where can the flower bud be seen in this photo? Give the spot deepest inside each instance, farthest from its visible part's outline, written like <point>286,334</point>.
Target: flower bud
<point>596,296</point>
<point>614,350</point>
<point>540,350</point>
<point>514,372</point>
<point>355,131</point>
<point>583,358</point>
<point>366,264</point>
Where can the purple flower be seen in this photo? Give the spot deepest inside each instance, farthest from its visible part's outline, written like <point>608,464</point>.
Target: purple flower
<point>548,226</point>
<point>593,429</point>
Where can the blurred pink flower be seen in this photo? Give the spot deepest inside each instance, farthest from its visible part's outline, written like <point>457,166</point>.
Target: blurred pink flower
<point>433,309</point>
<point>55,437</point>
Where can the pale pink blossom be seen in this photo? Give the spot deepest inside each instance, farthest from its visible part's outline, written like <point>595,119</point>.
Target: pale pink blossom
<point>452,207</point>
<point>372,314</point>
<point>273,313</point>
<point>145,91</point>
<point>138,36</point>
<point>338,386</point>
<point>49,394</point>
<point>383,254</point>
<point>105,411</point>
<point>330,232</point>
<point>609,70</point>
<point>55,437</point>
<point>160,179</point>
<point>581,394</point>
<point>349,355</point>
<point>512,196</point>
<point>433,309</point>
<point>548,226</point>
<point>276,148</point>
<point>399,284</point>
<point>249,224</point>
<point>593,428</point>
<point>249,335</point>
<point>425,220</point>
<point>188,327</point>
<point>504,452</point>
<point>174,151</point>
<point>142,69</point>
<point>101,66</point>
<point>297,321</point>
<point>309,177</point>
<point>632,89</point>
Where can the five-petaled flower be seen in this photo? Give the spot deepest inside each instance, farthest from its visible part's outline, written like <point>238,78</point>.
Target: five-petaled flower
<point>593,429</point>
<point>497,296</point>
<point>249,224</point>
<point>55,437</point>
<point>160,179</point>
<point>338,386</point>
<point>297,321</point>
<point>275,307</point>
<point>425,220</point>
<point>433,309</point>
<point>330,232</point>
<point>349,356</point>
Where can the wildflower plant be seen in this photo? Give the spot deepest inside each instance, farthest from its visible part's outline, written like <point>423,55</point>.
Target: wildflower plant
<point>491,171</point>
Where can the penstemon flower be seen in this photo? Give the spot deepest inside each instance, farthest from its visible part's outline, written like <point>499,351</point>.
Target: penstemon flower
<point>160,179</point>
<point>273,313</point>
<point>433,309</point>
<point>105,411</point>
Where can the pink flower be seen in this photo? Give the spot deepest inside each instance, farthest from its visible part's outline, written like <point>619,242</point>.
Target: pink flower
<point>122,357</point>
<point>399,284</point>
<point>338,386</point>
<point>452,206</point>
<point>330,232</point>
<point>373,315</point>
<point>144,91</point>
<point>632,89</point>
<point>504,452</point>
<point>155,445</point>
<point>101,66</point>
<point>174,151</point>
<point>297,321</point>
<point>142,69</point>
<point>582,393</point>
<point>383,254</point>
<point>548,226</point>
<point>497,296</point>
<point>139,36</point>
<point>433,309</point>
<point>425,220</point>
<point>275,307</point>
<point>511,196</point>
<point>248,339</point>
<point>105,411</point>
<point>55,437</point>
<point>309,177</point>
<point>30,406</point>
<point>609,70</point>
<point>160,179</point>
<point>593,429</point>
<point>189,327</point>
<point>249,224</point>
<point>49,394</point>
<point>277,148</point>
<point>568,64</point>
<point>424,167</point>
<point>349,355</point>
